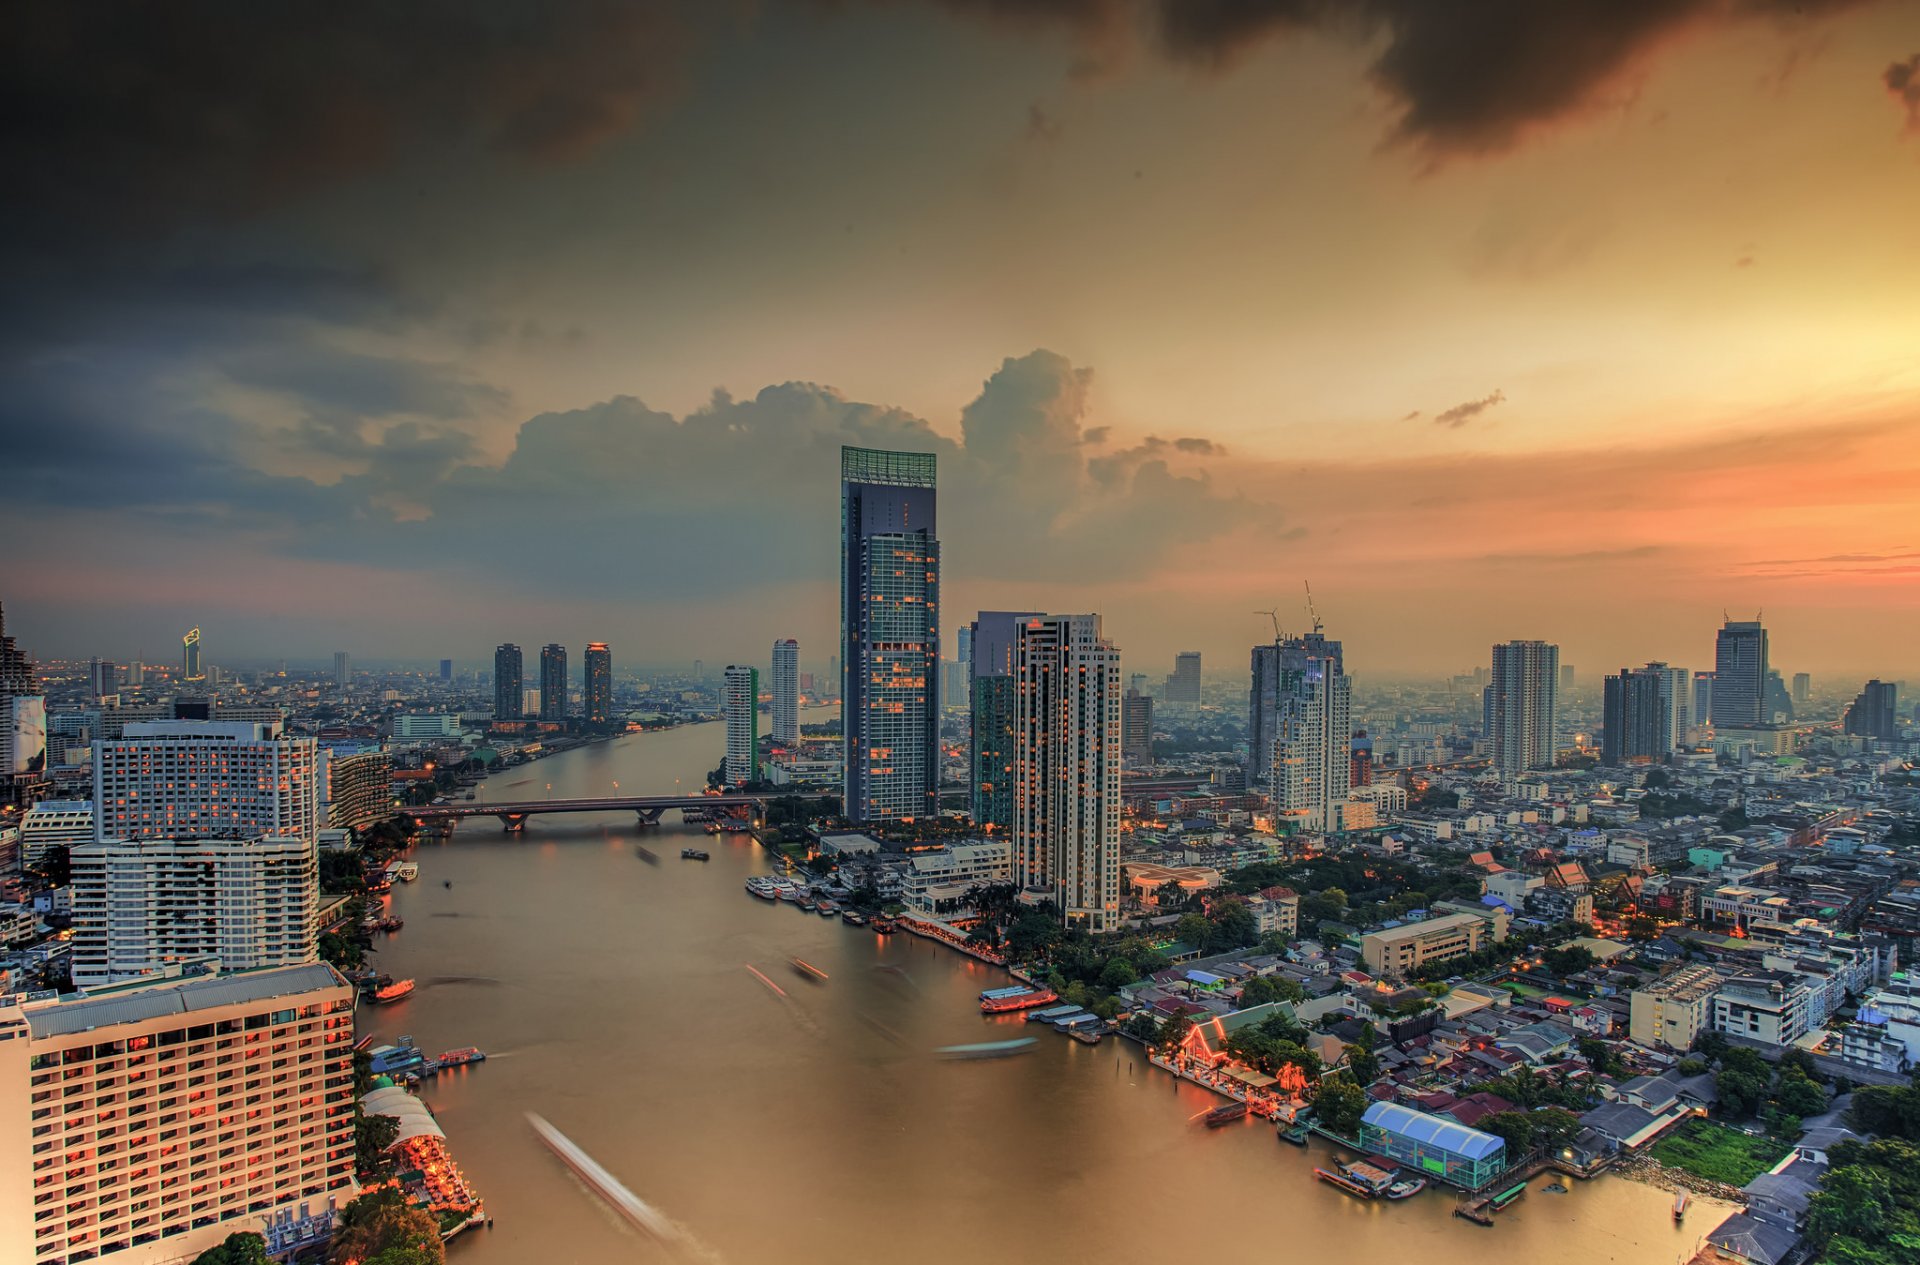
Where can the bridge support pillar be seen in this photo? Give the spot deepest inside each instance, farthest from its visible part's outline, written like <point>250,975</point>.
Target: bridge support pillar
<point>648,816</point>
<point>514,823</point>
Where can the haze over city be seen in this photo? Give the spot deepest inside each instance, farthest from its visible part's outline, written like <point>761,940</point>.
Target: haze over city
<point>1528,320</point>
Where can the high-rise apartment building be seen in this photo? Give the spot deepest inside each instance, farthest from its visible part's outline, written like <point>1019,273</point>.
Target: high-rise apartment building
<point>740,702</point>
<point>1740,675</point>
<point>144,1127</point>
<point>103,678</point>
<point>1299,730</point>
<point>342,669</point>
<point>553,681</point>
<point>1777,709</point>
<point>55,823</point>
<point>190,667</point>
<point>1636,715</point>
<point>1066,763</point>
<point>23,725</point>
<point>1702,715</point>
<point>991,639</point>
<point>890,634</point>
<point>507,683</point>
<point>1521,706</point>
<point>1184,685</point>
<point>356,786</point>
<point>1676,703</point>
<point>1802,688</point>
<point>1873,712</point>
<point>599,683</point>
<point>1566,681</point>
<point>446,669</point>
<point>786,692</point>
<point>204,779</point>
<point>1136,728</point>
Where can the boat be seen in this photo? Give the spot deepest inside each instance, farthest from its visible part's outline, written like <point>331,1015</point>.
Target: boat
<point>803,967</point>
<point>1086,1036</point>
<point>1340,1179</point>
<point>391,993</point>
<point>637,1211</point>
<point>461,1057</point>
<point>854,918</point>
<point>1226,1115</point>
<point>884,925</point>
<point>1406,1187</point>
<point>1019,1001</point>
<point>1051,1013</point>
<point>1506,1197</point>
<point>992,993</point>
<point>1680,1201</point>
<point>407,871</point>
<point>806,904</point>
<point>828,909</point>
<point>694,854</point>
<point>646,855</point>
<point>788,894</point>
<point>446,883</point>
<point>1297,1133</point>
<point>988,1049</point>
<point>1357,1177</point>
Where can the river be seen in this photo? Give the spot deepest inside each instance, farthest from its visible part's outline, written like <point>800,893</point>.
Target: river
<point>612,997</point>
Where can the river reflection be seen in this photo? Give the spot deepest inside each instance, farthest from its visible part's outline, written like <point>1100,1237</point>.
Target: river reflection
<point>613,998</point>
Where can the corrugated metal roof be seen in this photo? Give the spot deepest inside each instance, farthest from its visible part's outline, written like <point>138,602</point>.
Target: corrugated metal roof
<point>1432,1130</point>
<point>93,1013</point>
<point>415,1120</point>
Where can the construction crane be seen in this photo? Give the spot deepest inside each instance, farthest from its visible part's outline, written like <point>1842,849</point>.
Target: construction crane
<point>1275,617</point>
<point>1311,612</point>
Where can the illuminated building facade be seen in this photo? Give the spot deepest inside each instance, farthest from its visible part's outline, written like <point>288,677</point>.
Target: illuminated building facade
<point>190,667</point>
<point>786,692</point>
<point>990,690</point>
<point>1740,675</point>
<point>890,634</point>
<point>599,683</point>
<point>740,701</point>
<point>1299,731</point>
<point>553,682</point>
<point>204,779</point>
<point>1066,768</point>
<point>144,1127</point>
<point>507,683</point>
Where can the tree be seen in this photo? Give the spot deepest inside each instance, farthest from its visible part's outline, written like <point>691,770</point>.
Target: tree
<point>382,1220</point>
<point>1340,1104</point>
<point>1569,961</point>
<point>1172,1032</point>
<point>1117,974</point>
<point>1193,929</point>
<point>1263,989</point>
<point>1740,1093</point>
<point>1852,1200</point>
<point>56,866</point>
<point>245,1248</point>
<point>372,1135</point>
<point>1799,1096</point>
<point>1233,925</point>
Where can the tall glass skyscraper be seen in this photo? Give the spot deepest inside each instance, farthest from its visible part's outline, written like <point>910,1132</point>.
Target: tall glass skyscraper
<point>786,691</point>
<point>889,634</point>
<point>599,691</point>
<point>990,645</point>
<point>1740,675</point>
<point>507,683</point>
<point>553,681</point>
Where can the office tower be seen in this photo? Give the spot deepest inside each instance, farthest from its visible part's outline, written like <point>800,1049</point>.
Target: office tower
<point>700,671</point>
<point>1138,683</point>
<point>890,634</point>
<point>965,656</point>
<point>356,787</point>
<point>1702,714</point>
<point>1802,688</point>
<point>23,725</point>
<point>1136,728</point>
<point>507,689</point>
<point>553,682</point>
<point>1362,764</point>
<point>599,678</point>
<point>990,700</point>
<point>1184,685</point>
<point>136,674</point>
<point>342,669</point>
<point>1523,713</point>
<point>184,1112</point>
<point>1066,767</point>
<point>1636,715</point>
<point>1873,712</point>
<point>786,692</point>
<point>1299,731</point>
<point>1778,707</point>
<point>446,669</point>
<point>740,702</point>
<point>1740,675</point>
<point>203,847</point>
<point>190,669</point>
<point>1566,681</point>
<point>103,678</point>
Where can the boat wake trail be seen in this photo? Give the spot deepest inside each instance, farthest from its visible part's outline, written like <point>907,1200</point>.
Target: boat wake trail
<point>488,980</point>
<point>633,1210</point>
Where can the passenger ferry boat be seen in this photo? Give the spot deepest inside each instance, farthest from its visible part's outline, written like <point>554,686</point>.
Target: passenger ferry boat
<point>461,1057</point>
<point>989,1049</point>
<point>884,925</point>
<point>391,993</point>
<point>1024,1000</point>
<point>1358,1178</point>
<point>1226,1115</point>
<point>693,854</point>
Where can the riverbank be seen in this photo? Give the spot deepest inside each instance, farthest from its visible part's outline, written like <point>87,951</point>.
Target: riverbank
<point>1651,1172</point>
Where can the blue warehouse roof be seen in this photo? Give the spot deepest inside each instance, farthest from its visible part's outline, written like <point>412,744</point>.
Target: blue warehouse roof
<point>1429,1130</point>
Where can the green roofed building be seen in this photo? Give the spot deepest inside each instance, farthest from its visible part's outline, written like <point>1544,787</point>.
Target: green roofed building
<point>1436,1146</point>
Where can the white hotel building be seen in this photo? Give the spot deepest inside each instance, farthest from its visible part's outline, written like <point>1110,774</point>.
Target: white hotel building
<point>144,1127</point>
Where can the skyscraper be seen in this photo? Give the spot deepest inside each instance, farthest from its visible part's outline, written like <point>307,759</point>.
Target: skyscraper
<point>1636,715</point>
<point>890,634</point>
<point>1802,688</point>
<point>990,692</point>
<point>1702,715</point>
<point>599,681</point>
<point>1522,708</point>
<point>190,669</point>
<point>740,702</point>
<point>342,669</point>
<point>1740,675</point>
<point>1873,714</point>
<point>1066,837</point>
<point>786,692</point>
<point>1566,681</point>
<point>1136,728</point>
<point>23,724</point>
<point>1184,685</point>
<point>103,678</point>
<point>446,669</point>
<point>507,686</point>
<point>1777,707</point>
<point>1299,730</point>
<point>553,681</point>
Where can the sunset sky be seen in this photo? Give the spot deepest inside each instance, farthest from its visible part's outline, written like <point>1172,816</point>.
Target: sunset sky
<point>411,329</point>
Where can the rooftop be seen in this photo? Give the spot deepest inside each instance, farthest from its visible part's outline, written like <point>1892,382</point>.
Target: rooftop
<point>85,1014</point>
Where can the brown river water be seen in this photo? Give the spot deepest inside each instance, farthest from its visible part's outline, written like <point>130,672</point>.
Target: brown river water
<point>613,997</point>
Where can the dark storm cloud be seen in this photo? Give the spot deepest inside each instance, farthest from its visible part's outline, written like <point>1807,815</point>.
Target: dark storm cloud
<point>1903,82</point>
<point>127,119</point>
<point>1460,414</point>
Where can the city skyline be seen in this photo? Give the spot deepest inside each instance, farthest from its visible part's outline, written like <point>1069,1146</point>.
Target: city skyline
<point>1624,313</point>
